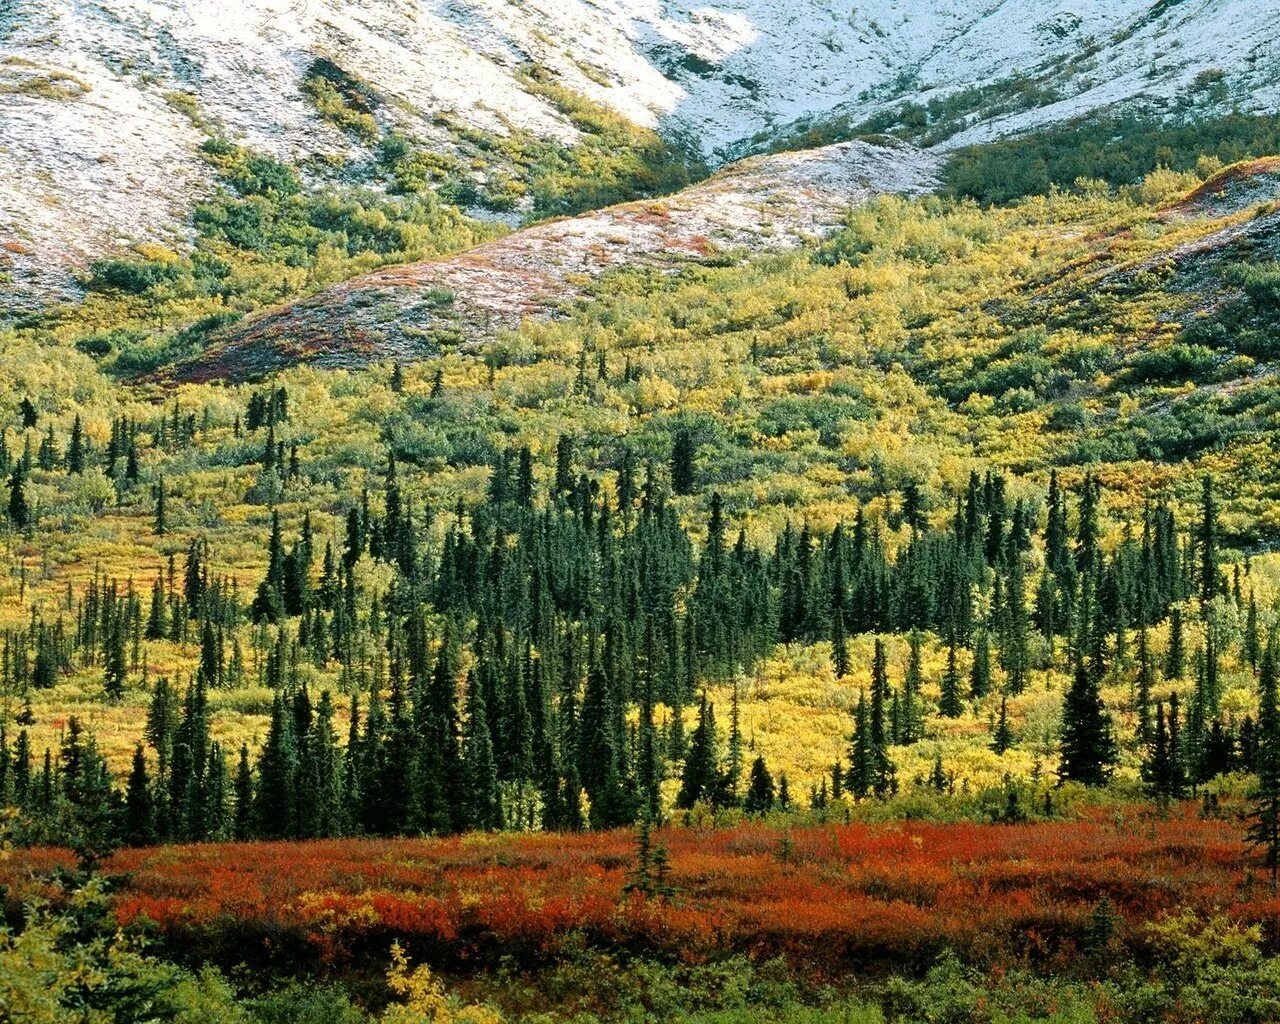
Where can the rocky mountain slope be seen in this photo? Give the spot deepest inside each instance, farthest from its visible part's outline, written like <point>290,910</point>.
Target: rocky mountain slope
<point>105,103</point>
<point>759,204</point>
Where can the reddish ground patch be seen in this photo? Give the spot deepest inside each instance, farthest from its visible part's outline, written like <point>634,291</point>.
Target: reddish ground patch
<point>835,895</point>
<point>1226,181</point>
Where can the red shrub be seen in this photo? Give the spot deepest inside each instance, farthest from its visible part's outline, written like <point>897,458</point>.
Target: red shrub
<point>833,894</point>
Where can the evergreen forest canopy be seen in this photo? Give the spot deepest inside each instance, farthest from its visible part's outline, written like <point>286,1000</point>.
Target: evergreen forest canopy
<point>561,612</point>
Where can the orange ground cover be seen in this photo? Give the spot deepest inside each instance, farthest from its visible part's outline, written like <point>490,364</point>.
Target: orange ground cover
<point>839,894</point>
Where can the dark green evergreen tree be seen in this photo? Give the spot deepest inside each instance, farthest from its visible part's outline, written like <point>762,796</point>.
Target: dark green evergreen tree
<point>275,813</point>
<point>1207,542</point>
<point>683,451</point>
<point>139,807</point>
<point>483,801</point>
<point>1162,771</point>
<point>701,778</point>
<point>1142,686</point>
<point>76,451</point>
<point>760,790</point>
<point>1087,749</point>
<point>88,810</point>
<point>859,776</point>
<point>979,674</point>
<point>912,724</point>
<point>601,762</point>
<point>1003,738</point>
<point>49,456</point>
<point>950,704</point>
<point>161,519</point>
<point>268,605</point>
<point>19,509</point>
<point>1175,656</point>
<point>321,768</point>
<point>1264,816</point>
<point>243,821</point>
<point>1252,642</point>
<point>115,661</point>
<point>882,771</point>
<point>565,477</point>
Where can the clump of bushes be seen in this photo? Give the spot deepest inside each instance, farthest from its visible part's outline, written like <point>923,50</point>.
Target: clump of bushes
<point>1089,148</point>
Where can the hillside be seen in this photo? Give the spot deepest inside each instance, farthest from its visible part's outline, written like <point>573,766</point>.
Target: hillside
<point>764,204</point>
<point>1128,335</point>
<point>625,511</point>
<point>107,104</point>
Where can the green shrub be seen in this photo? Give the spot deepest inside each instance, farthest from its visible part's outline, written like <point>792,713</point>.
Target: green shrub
<point>1261,284</point>
<point>1088,148</point>
<point>134,276</point>
<point>341,99</point>
<point>300,1003</point>
<point>1173,364</point>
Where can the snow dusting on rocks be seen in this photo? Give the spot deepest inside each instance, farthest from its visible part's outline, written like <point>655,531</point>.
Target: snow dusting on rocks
<point>98,148</point>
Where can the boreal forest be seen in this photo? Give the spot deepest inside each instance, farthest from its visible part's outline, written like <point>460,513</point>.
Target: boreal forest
<point>531,516</point>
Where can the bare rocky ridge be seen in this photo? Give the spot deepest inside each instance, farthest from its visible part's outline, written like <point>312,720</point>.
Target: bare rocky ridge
<point>761,204</point>
<point>1244,203</point>
<point>97,148</point>
<point>1241,187</point>
<point>1232,218</point>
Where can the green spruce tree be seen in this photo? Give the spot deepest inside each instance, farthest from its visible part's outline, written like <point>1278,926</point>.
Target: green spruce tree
<point>1086,748</point>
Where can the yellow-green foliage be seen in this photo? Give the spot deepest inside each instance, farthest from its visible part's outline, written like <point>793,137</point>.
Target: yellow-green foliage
<point>929,339</point>
<point>341,99</point>
<point>424,1000</point>
<point>611,161</point>
<point>50,973</point>
<point>66,968</point>
<point>19,76</point>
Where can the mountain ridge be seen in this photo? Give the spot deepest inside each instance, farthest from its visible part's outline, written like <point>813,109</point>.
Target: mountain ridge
<point>760,204</point>
<point>106,104</point>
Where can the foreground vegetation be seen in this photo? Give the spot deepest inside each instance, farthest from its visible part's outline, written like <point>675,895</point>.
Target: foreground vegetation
<point>1117,914</point>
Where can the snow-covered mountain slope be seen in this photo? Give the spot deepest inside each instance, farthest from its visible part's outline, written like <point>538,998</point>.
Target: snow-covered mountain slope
<point>767,203</point>
<point>98,145</point>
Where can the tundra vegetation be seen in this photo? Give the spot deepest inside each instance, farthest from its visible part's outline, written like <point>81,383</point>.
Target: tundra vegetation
<point>883,631</point>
